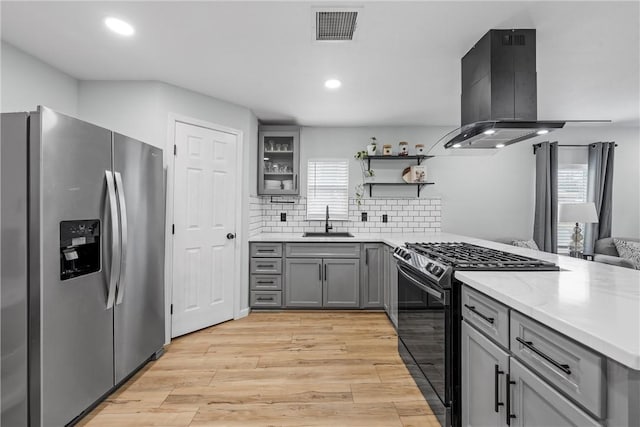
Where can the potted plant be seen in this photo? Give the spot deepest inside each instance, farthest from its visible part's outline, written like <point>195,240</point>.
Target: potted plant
<point>366,173</point>
<point>372,147</point>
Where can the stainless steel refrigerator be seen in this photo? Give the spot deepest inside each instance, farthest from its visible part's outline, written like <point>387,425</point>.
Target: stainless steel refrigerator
<point>82,264</point>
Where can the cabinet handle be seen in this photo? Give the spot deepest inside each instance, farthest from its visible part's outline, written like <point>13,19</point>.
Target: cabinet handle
<point>325,272</point>
<point>529,344</point>
<point>320,272</point>
<point>296,179</point>
<point>366,257</point>
<point>472,308</point>
<point>264,299</point>
<point>509,414</point>
<point>266,250</point>
<point>497,374</point>
<point>264,281</point>
<point>265,265</point>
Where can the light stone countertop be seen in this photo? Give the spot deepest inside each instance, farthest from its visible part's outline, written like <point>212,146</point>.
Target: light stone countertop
<point>598,305</point>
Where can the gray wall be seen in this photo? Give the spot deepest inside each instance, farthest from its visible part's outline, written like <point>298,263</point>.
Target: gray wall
<point>28,82</point>
<point>482,196</point>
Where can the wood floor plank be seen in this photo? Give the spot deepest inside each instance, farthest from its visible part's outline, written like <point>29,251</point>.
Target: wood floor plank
<point>299,374</point>
<point>289,368</point>
<point>294,415</point>
<point>420,421</point>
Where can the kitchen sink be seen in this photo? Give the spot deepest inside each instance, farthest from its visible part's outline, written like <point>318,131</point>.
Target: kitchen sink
<point>323,234</point>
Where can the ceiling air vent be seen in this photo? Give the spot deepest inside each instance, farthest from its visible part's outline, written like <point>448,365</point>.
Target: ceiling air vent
<point>335,25</point>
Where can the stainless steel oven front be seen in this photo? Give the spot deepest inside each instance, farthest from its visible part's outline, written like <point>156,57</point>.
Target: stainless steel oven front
<point>427,331</point>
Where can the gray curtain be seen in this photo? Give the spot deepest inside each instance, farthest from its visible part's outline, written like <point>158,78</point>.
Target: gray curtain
<point>546,210</point>
<point>599,191</point>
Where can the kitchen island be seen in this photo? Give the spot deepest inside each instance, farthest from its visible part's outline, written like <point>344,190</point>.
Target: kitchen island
<point>595,305</point>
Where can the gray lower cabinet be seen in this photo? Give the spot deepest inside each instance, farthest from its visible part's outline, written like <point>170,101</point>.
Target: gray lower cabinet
<point>535,403</point>
<point>385,277</point>
<point>322,283</point>
<point>373,276</point>
<point>341,286</point>
<point>497,389</point>
<point>484,368</point>
<point>391,285</point>
<point>265,279</point>
<point>303,282</point>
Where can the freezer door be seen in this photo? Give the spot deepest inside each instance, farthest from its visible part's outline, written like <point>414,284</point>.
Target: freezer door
<point>13,287</point>
<point>71,326</point>
<point>139,309</point>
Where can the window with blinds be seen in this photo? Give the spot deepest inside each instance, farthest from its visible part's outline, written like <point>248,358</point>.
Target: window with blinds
<point>572,188</point>
<point>328,185</point>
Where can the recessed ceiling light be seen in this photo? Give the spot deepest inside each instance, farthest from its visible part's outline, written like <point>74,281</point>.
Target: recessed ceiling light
<point>499,145</point>
<point>456,145</point>
<point>332,84</point>
<point>489,132</point>
<point>119,26</point>
<point>542,131</point>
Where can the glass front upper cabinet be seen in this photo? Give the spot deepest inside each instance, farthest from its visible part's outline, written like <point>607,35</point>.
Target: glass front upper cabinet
<point>278,164</point>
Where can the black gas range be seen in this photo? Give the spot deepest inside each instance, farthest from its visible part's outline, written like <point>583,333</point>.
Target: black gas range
<point>429,313</point>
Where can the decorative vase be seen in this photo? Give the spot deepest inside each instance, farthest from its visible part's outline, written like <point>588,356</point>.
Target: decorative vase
<point>386,149</point>
<point>403,148</point>
<point>371,149</point>
<point>419,149</point>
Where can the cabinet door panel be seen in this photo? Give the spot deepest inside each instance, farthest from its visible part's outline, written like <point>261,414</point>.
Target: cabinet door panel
<point>372,280</point>
<point>480,379</point>
<point>536,404</point>
<point>393,290</point>
<point>385,274</point>
<point>303,282</point>
<point>341,283</point>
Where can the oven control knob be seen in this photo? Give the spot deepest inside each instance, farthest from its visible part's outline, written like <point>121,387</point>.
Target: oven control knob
<point>437,270</point>
<point>407,256</point>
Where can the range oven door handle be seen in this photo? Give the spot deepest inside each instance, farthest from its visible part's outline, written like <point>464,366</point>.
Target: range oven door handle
<point>433,292</point>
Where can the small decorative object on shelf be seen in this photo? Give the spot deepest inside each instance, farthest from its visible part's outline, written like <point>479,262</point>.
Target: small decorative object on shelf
<point>372,147</point>
<point>418,173</point>
<point>403,148</point>
<point>419,149</point>
<point>386,150</point>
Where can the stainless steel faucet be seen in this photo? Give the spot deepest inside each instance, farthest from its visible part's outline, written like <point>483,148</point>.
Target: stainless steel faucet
<point>327,227</point>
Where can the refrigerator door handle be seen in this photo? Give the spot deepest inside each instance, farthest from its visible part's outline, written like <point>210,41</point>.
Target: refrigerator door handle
<point>115,239</point>
<point>124,235</point>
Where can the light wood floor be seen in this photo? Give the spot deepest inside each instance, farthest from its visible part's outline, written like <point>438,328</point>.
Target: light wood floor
<point>275,369</point>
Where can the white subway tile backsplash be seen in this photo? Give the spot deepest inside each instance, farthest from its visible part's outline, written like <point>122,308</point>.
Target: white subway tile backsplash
<point>404,215</point>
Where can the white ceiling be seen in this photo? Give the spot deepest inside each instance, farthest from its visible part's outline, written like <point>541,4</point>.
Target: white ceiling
<point>404,68</point>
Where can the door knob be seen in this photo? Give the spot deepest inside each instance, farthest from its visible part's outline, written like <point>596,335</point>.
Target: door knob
<point>231,236</point>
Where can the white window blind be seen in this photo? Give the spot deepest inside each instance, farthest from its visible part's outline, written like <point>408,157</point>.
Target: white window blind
<point>572,188</point>
<point>328,185</point>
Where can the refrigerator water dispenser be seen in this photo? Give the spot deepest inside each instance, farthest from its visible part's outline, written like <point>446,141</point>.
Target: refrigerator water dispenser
<point>79,248</point>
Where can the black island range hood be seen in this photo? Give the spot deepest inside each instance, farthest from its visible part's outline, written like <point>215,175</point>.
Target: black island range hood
<point>499,92</point>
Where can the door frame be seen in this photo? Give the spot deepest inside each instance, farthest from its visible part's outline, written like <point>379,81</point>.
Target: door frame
<point>170,182</point>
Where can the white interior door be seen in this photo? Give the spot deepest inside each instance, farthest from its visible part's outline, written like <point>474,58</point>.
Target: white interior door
<point>204,201</point>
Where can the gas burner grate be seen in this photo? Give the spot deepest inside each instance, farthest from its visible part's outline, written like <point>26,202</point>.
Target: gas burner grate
<point>467,256</point>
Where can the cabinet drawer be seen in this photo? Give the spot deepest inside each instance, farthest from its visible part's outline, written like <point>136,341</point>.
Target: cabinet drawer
<point>266,282</point>
<point>266,299</point>
<point>571,368</point>
<point>323,250</point>
<point>486,314</point>
<point>266,250</point>
<point>266,266</point>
